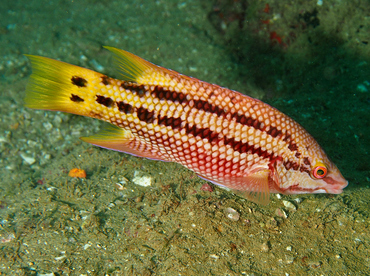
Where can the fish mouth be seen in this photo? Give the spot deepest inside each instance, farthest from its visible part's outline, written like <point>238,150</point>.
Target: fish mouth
<point>335,184</point>
<point>332,187</point>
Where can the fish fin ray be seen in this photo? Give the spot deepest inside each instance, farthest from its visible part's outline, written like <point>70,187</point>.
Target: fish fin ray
<point>254,187</point>
<point>118,139</point>
<point>51,86</point>
<point>139,70</point>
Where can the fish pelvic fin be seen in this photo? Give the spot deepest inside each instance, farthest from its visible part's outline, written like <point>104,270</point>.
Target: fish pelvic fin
<point>254,187</point>
<point>258,191</point>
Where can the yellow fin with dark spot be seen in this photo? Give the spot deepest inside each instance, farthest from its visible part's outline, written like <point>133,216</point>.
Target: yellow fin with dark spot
<point>59,86</point>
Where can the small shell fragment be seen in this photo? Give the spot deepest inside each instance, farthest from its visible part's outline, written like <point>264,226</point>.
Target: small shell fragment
<point>119,186</point>
<point>232,214</point>
<point>123,180</point>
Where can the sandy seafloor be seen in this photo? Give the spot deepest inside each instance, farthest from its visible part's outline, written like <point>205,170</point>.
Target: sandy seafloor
<point>312,65</point>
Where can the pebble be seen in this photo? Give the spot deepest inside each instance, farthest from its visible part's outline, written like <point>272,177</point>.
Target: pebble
<point>28,159</point>
<point>265,247</point>
<point>214,256</point>
<point>143,181</point>
<point>281,213</point>
<point>271,223</point>
<point>48,126</point>
<point>298,200</point>
<point>289,259</point>
<point>289,205</point>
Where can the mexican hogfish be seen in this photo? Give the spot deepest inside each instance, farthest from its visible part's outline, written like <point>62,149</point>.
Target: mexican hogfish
<point>225,137</point>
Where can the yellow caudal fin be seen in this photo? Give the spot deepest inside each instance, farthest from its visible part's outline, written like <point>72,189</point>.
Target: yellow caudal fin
<point>134,68</point>
<point>59,86</point>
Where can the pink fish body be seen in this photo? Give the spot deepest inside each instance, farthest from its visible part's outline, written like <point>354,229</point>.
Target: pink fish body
<point>227,138</point>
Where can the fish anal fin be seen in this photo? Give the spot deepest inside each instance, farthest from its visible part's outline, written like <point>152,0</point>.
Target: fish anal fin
<point>119,139</point>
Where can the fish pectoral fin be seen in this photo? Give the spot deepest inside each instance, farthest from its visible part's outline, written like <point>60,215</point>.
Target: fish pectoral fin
<point>254,187</point>
<point>119,139</point>
<point>258,187</point>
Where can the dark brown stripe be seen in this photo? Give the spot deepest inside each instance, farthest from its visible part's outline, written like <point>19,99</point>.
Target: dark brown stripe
<point>205,133</point>
<point>273,131</point>
<point>139,90</point>
<point>212,137</point>
<point>145,115</point>
<point>134,88</point>
<point>174,123</point>
<point>306,161</point>
<point>105,80</point>
<point>106,101</point>
<point>76,99</point>
<point>304,169</point>
<point>78,81</point>
<point>292,146</point>
<point>291,165</point>
<point>164,94</point>
<point>180,97</point>
<point>125,108</point>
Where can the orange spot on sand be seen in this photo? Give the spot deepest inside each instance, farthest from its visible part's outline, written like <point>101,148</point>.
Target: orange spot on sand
<point>80,173</point>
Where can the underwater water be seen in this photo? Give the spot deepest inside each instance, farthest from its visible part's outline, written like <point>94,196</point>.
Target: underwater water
<point>310,60</point>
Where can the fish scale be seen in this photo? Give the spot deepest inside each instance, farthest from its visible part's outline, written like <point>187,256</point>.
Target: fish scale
<point>230,139</point>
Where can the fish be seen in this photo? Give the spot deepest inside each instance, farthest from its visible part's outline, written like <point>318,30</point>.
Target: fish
<point>225,137</point>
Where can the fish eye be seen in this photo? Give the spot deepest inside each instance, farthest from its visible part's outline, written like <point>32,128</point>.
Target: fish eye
<point>319,171</point>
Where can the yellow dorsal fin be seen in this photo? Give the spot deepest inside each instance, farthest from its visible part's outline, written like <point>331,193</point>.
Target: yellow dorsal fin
<point>134,68</point>
<point>129,65</point>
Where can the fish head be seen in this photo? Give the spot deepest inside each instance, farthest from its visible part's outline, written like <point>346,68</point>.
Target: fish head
<point>313,174</point>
